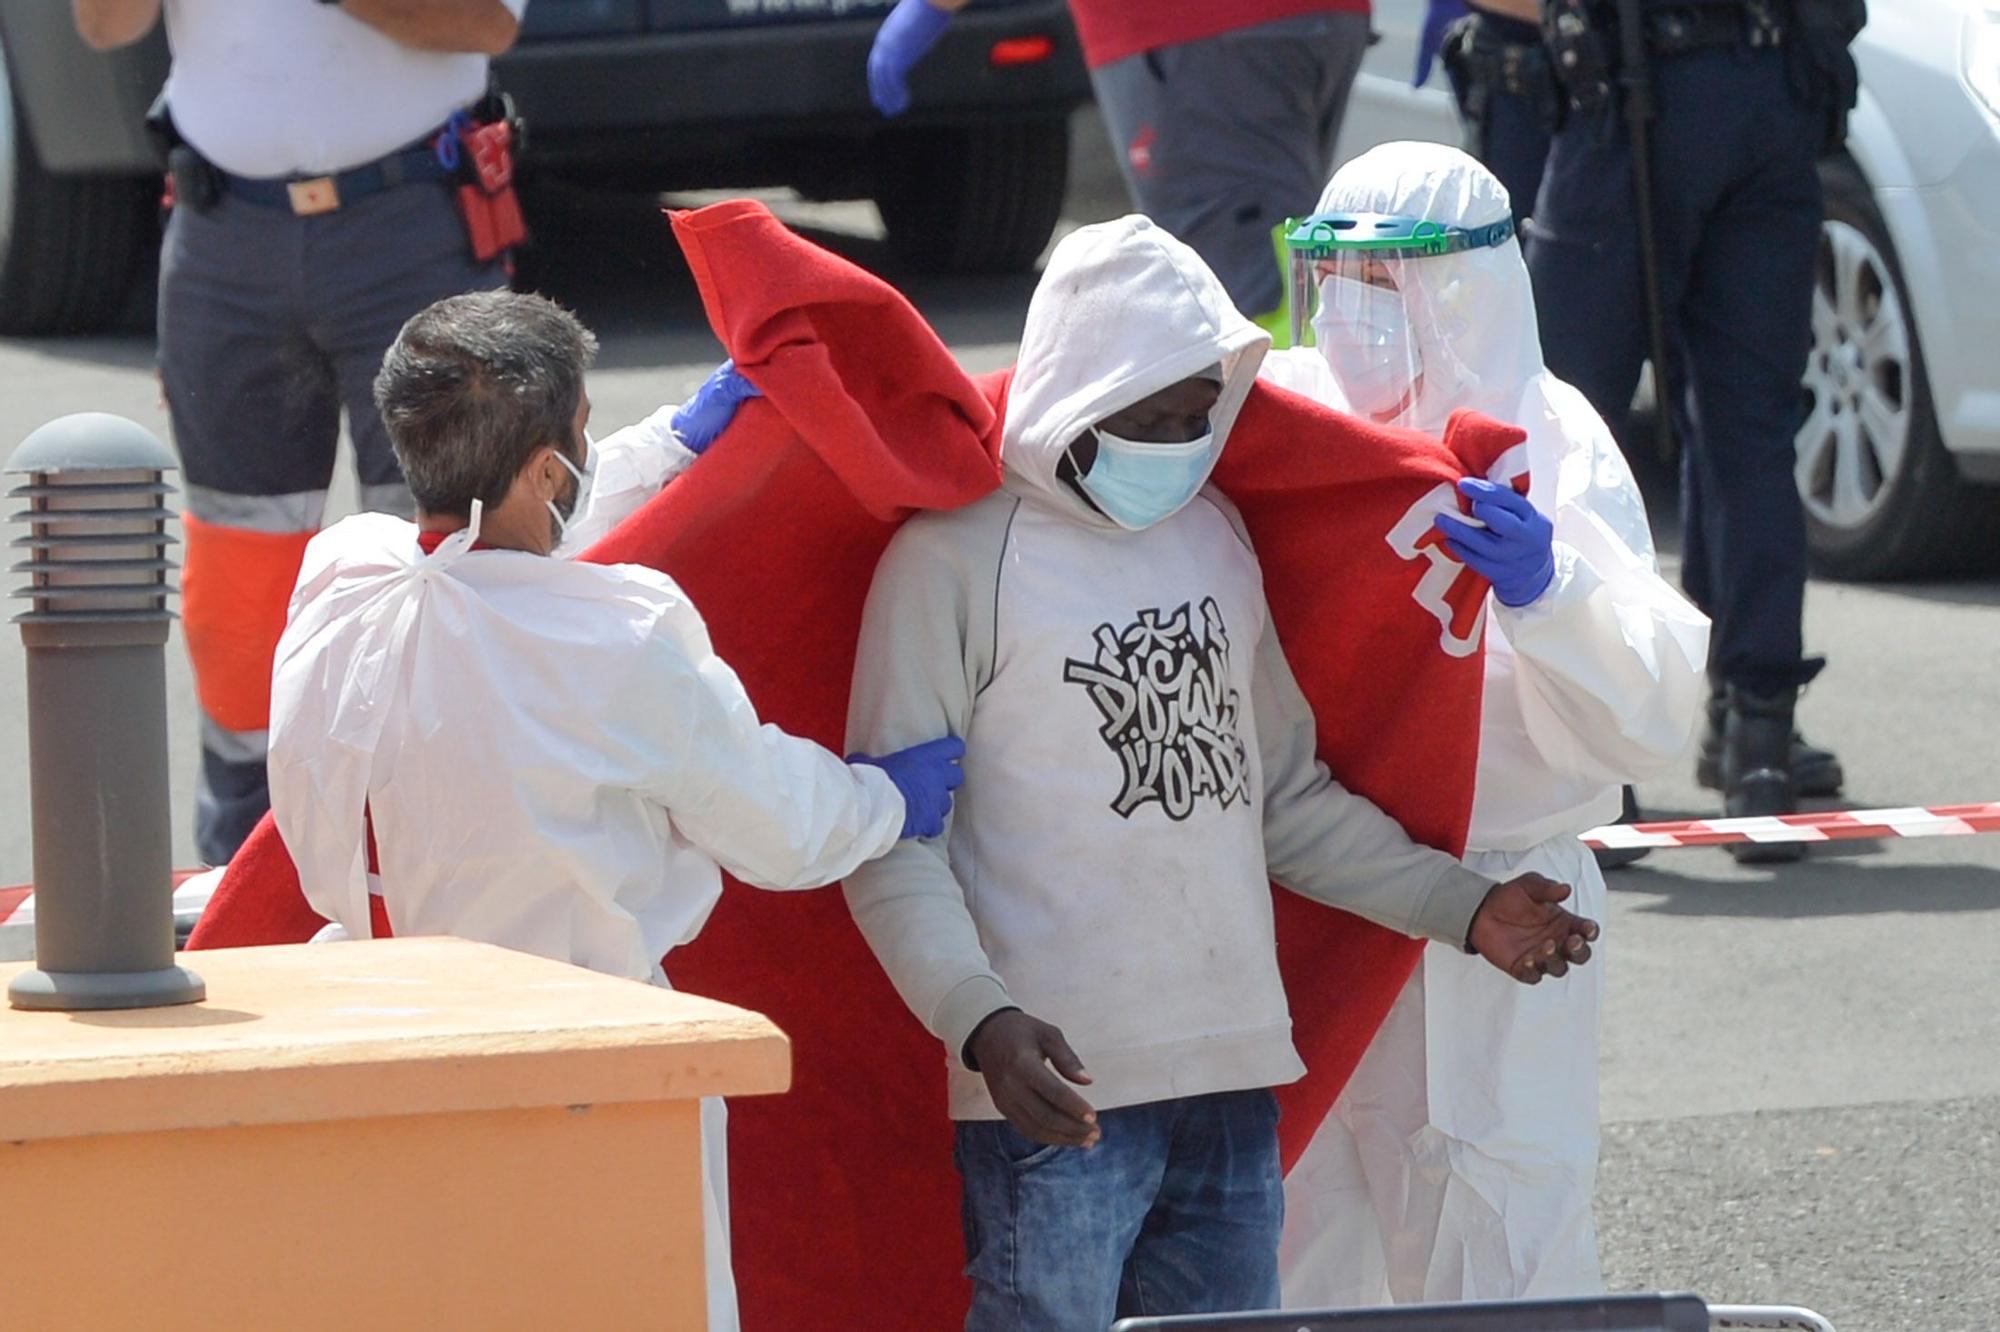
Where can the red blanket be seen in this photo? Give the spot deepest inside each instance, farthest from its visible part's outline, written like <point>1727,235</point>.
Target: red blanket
<point>845,1202</point>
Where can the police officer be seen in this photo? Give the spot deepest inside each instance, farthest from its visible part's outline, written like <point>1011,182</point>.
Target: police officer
<point>313,214</point>
<point>1509,104</point>
<point>1225,115</point>
<point>1748,93</point>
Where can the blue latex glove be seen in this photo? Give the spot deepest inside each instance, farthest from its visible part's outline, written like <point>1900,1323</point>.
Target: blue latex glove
<point>926,774</point>
<point>905,37</point>
<point>1440,15</point>
<point>1515,550</point>
<point>710,409</point>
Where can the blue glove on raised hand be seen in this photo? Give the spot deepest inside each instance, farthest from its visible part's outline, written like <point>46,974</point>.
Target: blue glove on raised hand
<point>710,409</point>
<point>926,774</point>
<point>1516,548</point>
<point>905,37</point>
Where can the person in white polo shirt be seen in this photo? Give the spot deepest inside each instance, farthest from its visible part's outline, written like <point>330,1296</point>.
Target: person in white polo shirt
<point>320,152</point>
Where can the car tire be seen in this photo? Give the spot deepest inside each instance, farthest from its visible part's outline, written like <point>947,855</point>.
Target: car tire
<point>1883,497</point>
<point>973,199</point>
<point>70,246</point>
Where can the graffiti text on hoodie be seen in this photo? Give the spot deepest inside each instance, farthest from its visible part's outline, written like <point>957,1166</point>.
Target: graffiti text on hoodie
<point>1170,713</point>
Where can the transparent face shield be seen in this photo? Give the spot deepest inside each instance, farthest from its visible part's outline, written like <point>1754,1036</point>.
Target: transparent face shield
<point>1351,278</point>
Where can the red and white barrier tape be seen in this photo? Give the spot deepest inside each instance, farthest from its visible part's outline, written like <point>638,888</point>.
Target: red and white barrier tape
<point>192,890</point>
<point>1835,826</point>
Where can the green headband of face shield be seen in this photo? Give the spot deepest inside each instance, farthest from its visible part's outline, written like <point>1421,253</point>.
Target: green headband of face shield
<point>1312,241</point>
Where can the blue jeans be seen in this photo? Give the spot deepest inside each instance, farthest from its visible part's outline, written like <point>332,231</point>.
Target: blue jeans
<point>1175,1211</point>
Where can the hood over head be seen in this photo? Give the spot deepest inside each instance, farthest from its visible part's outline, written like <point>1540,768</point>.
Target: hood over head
<point>1122,311</point>
<point>1472,313</point>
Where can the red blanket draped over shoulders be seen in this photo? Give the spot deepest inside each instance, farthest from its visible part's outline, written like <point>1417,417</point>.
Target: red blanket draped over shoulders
<point>844,1200</point>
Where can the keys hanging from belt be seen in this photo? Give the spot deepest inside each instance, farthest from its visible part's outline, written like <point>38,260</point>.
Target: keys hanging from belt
<point>481,159</point>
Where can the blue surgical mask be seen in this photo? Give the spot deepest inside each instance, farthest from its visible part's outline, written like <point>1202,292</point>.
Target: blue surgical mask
<point>1136,484</point>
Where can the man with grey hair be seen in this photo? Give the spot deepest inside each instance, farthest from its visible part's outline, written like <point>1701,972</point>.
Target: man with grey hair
<point>471,738</point>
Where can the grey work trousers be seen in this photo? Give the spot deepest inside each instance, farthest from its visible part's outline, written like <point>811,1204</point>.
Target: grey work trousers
<point>1223,138</point>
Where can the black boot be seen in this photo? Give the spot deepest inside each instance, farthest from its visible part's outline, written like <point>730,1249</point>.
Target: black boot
<point>1757,739</point>
<point>1611,858</point>
<point>1816,772</point>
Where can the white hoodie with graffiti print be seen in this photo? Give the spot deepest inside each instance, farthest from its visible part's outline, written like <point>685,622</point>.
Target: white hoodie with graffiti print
<point>1140,760</point>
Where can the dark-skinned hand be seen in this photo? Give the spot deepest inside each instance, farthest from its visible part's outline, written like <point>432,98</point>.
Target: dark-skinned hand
<point>1521,929</point>
<point>1020,1058</point>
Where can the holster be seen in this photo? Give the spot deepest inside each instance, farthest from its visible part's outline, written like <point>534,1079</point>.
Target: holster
<point>1822,65</point>
<point>1580,53</point>
<point>489,148</point>
<point>192,180</point>
<point>1470,76</point>
<point>1481,62</point>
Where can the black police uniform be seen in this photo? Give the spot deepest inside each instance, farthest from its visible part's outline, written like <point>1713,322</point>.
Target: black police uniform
<point>1747,95</point>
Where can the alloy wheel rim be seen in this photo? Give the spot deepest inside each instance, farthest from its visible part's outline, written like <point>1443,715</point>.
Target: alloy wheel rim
<point>1859,383</point>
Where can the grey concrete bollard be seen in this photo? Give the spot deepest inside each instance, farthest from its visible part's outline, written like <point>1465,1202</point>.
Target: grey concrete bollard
<point>96,634</point>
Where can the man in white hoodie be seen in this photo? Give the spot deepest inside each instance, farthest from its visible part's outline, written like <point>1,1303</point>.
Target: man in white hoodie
<point>547,755</point>
<point>1460,1161</point>
<point>1142,766</point>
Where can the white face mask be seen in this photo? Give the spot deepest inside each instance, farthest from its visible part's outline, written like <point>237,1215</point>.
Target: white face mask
<point>1363,331</point>
<point>580,501</point>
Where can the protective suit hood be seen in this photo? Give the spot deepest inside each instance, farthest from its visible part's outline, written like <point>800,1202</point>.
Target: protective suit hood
<point>1473,317</point>
<point>1472,314</point>
<point>1122,311</point>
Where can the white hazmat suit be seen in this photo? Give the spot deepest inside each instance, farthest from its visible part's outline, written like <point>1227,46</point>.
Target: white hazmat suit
<point>1461,1160</point>
<point>550,754</point>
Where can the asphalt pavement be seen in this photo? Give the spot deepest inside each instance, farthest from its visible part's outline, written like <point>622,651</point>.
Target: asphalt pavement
<point>1802,1065</point>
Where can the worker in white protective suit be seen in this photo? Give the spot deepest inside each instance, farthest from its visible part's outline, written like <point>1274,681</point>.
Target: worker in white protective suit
<point>549,755</point>
<point>1461,1160</point>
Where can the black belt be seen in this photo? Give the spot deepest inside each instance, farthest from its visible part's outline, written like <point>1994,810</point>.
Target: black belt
<point>308,195</point>
<point>1505,29</point>
<point>1685,28</point>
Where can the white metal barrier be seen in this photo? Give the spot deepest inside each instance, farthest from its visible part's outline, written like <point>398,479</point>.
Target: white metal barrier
<point>1605,1313</point>
<point>1772,1317</point>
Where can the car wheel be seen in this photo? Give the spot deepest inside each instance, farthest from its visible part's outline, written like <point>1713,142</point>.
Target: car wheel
<point>973,199</point>
<point>69,245</point>
<point>1883,498</point>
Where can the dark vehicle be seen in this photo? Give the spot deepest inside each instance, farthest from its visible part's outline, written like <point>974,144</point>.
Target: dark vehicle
<point>641,94</point>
